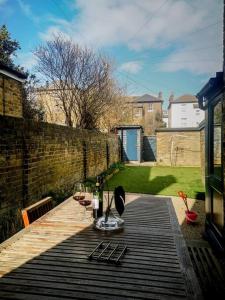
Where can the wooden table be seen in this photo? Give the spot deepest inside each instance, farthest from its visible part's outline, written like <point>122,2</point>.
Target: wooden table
<point>48,260</point>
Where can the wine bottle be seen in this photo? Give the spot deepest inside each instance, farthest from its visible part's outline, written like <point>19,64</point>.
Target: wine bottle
<point>100,193</point>
<point>97,200</point>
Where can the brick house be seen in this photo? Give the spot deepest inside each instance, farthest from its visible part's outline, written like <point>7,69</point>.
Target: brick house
<point>47,99</point>
<point>147,112</point>
<point>11,82</point>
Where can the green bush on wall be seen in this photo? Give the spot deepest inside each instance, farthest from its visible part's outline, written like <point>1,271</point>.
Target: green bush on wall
<point>91,181</point>
<point>10,223</point>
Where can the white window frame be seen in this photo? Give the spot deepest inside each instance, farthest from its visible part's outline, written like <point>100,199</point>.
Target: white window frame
<point>150,106</point>
<point>138,112</point>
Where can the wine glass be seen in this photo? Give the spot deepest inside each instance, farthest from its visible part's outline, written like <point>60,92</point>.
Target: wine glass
<point>80,194</point>
<point>79,191</point>
<point>85,203</point>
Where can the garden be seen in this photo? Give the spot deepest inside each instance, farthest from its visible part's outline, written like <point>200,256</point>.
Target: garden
<point>159,180</point>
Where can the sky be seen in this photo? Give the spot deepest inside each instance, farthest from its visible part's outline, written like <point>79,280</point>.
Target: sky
<point>155,45</point>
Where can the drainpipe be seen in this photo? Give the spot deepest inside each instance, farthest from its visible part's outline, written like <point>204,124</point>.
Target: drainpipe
<point>171,149</point>
<point>172,145</point>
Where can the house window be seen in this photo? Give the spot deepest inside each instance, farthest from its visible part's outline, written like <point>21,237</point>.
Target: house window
<point>183,108</point>
<point>195,105</point>
<point>183,122</point>
<point>197,112</point>
<point>150,107</point>
<point>183,104</point>
<point>138,112</point>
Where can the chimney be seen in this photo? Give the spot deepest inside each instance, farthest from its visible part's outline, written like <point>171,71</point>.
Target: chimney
<point>160,95</point>
<point>171,98</point>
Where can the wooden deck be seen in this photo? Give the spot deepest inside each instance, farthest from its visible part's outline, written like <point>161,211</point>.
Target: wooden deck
<point>48,260</point>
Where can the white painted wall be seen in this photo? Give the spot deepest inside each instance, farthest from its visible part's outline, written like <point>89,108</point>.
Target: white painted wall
<point>185,115</point>
<point>165,120</point>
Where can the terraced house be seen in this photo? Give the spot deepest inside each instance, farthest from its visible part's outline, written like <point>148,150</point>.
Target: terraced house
<point>147,112</point>
<point>184,111</point>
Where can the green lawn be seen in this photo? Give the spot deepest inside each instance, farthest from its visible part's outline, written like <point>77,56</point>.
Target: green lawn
<point>159,180</point>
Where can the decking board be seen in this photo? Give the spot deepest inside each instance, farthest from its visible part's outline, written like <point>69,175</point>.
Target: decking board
<point>49,259</point>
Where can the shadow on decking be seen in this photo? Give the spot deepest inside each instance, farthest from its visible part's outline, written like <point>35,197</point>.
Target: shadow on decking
<point>150,271</point>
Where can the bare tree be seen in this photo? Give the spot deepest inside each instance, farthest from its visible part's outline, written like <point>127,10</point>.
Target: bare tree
<point>82,80</point>
<point>119,112</point>
<point>31,108</point>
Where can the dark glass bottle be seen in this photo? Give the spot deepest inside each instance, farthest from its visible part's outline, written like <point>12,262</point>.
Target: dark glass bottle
<point>100,210</point>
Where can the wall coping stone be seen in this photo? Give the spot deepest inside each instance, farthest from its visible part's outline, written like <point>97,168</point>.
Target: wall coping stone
<point>178,129</point>
<point>8,122</point>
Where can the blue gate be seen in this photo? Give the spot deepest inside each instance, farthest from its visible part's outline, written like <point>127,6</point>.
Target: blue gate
<point>131,144</point>
<point>149,148</point>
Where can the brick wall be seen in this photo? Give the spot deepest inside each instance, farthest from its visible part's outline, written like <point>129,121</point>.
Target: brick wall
<point>39,158</point>
<point>1,95</point>
<point>178,147</point>
<point>10,97</point>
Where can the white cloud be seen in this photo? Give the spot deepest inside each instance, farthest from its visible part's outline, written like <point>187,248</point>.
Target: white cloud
<point>26,9</point>
<point>49,34</point>
<point>202,52</point>
<point>200,63</point>
<point>58,21</point>
<point>26,60</point>
<point>149,24</point>
<point>132,67</point>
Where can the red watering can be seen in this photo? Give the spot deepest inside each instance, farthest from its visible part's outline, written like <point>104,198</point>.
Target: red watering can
<point>191,216</point>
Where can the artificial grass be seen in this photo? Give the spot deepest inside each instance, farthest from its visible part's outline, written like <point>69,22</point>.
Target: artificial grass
<point>159,180</point>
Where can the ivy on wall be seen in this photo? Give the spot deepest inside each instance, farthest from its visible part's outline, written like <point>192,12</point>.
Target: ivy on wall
<point>10,223</point>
